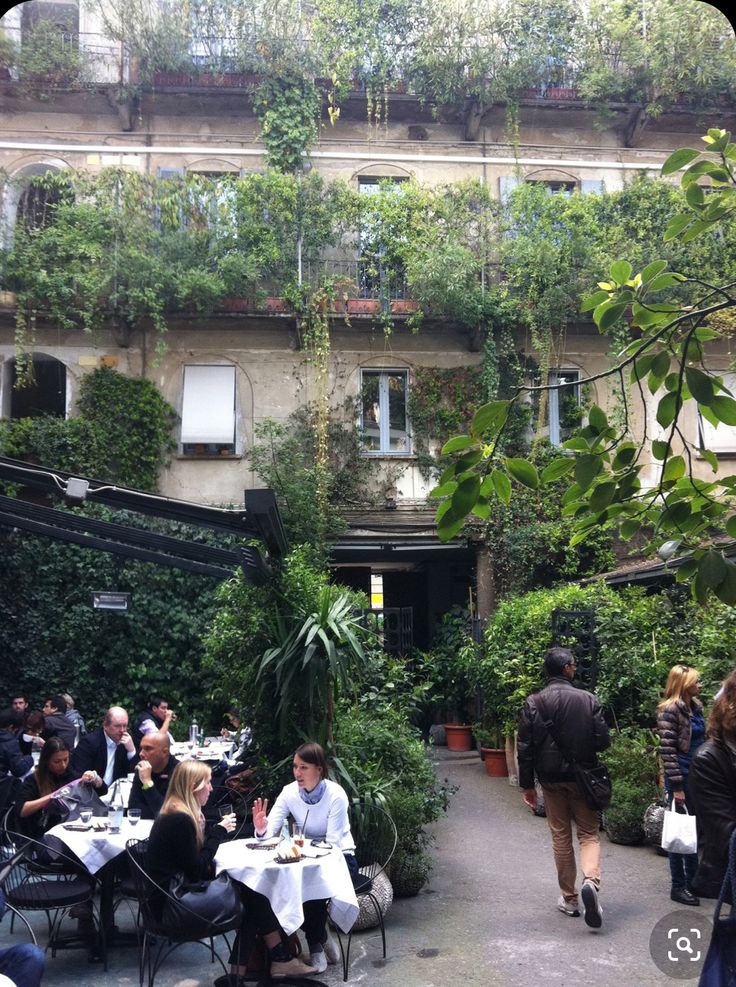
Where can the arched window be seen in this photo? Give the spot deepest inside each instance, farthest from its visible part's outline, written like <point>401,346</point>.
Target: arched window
<point>30,194</point>
<point>45,396</point>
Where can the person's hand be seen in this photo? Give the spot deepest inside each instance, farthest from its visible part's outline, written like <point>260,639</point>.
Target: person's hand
<point>224,732</point>
<point>679,797</point>
<point>92,778</point>
<point>144,771</point>
<point>228,822</point>
<point>260,816</point>
<point>127,741</point>
<point>529,796</point>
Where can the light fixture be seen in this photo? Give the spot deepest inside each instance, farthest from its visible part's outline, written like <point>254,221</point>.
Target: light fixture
<point>111,600</point>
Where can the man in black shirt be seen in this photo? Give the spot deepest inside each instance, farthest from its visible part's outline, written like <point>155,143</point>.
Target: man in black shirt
<point>152,775</point>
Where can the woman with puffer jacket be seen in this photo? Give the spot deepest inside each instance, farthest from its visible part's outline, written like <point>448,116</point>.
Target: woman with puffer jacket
<point>681,727</point>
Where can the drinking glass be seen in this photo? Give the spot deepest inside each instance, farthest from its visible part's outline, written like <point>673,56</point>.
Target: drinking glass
<point>133,816</point>
<point>224,810</point>
<point>298,835</point>
<point>85,815</point>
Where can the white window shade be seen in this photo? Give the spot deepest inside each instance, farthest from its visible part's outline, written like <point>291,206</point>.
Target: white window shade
<point>208,405</point>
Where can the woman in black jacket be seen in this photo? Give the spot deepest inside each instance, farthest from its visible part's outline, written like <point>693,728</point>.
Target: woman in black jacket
<point>712,784</point>
<point>681,728</point>
<point>34,808</point>
<point>179,844</point>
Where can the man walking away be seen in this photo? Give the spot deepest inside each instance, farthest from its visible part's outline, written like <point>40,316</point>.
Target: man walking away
<point>559,722</point>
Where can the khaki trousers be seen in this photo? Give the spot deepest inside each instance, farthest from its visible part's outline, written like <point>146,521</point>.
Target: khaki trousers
<point>563,803</point>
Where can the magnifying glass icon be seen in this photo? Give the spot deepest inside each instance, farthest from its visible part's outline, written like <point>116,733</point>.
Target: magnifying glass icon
<point>687,947</point>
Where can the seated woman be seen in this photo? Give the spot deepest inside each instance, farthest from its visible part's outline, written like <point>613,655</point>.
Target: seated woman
<point>320,806</point>
<point>179,844</point>
<point>712,784</point>
<point>34,809</point>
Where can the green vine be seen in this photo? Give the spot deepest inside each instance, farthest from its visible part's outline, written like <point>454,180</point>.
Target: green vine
<point>288,109</point>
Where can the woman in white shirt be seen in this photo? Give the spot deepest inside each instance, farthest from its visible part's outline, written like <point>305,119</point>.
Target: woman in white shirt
<point>320,807</point>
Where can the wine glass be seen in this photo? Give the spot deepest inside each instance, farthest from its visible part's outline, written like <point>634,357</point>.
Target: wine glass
<point>85,816</point>
<point>133,816</point>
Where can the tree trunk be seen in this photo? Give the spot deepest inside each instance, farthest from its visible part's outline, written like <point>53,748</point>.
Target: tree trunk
<point>634,126</point>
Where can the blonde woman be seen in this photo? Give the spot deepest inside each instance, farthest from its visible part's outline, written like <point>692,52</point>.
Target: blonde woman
<point>681,727</point>
<point>179,844</point>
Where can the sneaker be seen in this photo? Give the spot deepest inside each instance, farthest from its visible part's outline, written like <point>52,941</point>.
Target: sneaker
<point>568,907</point>
<point>332,950</point>
<point>593,910</point>
<point>290,968</point>
<point>318,961</point>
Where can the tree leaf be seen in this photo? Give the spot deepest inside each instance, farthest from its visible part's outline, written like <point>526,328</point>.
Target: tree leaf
<point>502,486</point>
<point>724,409</point>
<point>676,225</point>
<point>466,495</point>
<point>621,271</point>
<point>731,526</point>
<point>674,468</point>
<point>602,496</point>
<point>557,469</point>
<point>652,270</point>
<point>523,472</point>
<point>611,315</point>
<point>679,159</point>
<point>597,418</point>
<point>489,417</point>
<point>712,568</point>
<point>726,589</point>
<point>457,443</point>
<point>668,409</point>
<point>660,449</point>
<point>593,301</point>
<point>587,467</point>
<point>710,458</point>
<point>700,385</point>
<point>444,490</point>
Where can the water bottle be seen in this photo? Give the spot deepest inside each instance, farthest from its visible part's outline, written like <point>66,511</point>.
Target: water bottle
<point>118,809</point>
<point>194,733</point>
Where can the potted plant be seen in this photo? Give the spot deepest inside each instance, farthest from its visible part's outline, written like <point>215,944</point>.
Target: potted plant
<point>492,749</point>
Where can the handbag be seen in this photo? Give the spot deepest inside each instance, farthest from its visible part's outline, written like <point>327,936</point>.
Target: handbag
<point>198,909</point>
<point>78,795</point>
<point>719,968</point>
<point>593,782</point>
<point>679,834</point>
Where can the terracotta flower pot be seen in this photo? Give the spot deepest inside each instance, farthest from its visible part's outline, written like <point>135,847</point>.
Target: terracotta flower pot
<point>364,306</point>
<point>494,759</point>
<point>403,306</point>
<point>459,736</point>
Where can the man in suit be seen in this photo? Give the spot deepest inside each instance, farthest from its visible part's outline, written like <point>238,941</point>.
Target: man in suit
<point>108,750</point>
<point>152,773</point>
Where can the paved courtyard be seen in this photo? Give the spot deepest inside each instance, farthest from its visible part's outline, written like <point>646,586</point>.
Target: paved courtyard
<point>487,916</point>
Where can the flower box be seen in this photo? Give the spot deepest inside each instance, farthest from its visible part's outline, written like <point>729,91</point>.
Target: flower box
<point>403,306</point>
<point>235,304</point>
<point>364,306</point>
<point>274,304</point>
<point>559,92</point>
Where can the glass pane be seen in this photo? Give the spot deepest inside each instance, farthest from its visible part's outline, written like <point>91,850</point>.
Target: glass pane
<point>371,411</point>
<point>398,437</point>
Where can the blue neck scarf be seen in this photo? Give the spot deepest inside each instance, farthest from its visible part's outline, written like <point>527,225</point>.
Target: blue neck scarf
<point>311,798</point>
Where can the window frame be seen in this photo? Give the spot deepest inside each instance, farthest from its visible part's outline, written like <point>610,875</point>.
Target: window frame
<point>384,424</point>
<point>702,425</point>
<point>554,426</point>
<point>216,449</point>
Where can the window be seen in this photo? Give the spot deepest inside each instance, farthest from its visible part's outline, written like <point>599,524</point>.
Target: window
<point>383,419</point>
<point>723,438</point>
<point>379,275</point>
<point>208,411</point>
<point>44,394</point>
<point>565,188</point>
<point>564,411</point>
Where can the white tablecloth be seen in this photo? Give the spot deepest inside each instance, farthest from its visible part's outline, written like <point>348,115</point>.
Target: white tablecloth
<point>214,751</point>
<point>288,885</point>
<point>94,848</point>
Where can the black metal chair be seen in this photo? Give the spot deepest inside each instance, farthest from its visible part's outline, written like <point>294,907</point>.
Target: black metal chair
<point>156,935</point>
<point>374,832</point>
<point>42,878</point>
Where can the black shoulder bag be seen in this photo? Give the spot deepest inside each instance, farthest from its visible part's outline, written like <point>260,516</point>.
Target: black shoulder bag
<point>595,782</point>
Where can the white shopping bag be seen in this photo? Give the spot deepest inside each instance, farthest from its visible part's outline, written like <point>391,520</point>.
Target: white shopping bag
<point>678,831</point>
